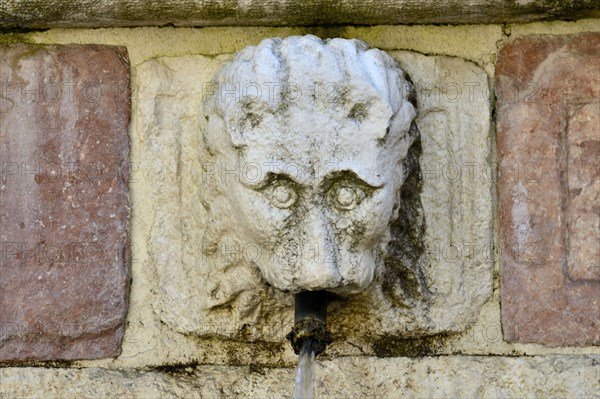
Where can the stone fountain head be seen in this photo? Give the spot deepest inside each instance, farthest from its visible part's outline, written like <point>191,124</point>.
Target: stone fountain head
<point>309,137</point>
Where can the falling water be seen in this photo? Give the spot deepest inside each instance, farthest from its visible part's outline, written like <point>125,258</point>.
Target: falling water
<point>305,374</point>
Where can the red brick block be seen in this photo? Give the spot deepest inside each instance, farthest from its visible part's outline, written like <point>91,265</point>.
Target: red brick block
<point>548,135</point>
<point>64,208</point>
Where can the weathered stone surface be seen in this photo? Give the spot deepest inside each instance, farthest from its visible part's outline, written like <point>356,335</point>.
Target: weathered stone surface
<point>583,184</point>
<point>64,116</point>
<point>79,13</point>
<point>548,92</point>
<point>352,377</point>
<point>452,95</point>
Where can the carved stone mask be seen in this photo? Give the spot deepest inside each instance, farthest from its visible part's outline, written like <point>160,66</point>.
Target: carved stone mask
<point>305,142</point>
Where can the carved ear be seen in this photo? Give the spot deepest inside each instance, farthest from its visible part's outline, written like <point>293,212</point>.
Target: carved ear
<point>235,132</point>
<point>401,122</point>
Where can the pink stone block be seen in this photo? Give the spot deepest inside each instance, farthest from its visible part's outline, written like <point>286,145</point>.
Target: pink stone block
<point>64,207</point>
<point>548,136</point>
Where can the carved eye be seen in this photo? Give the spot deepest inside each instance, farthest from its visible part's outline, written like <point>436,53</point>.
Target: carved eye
<point>281,194</point>
<point>345,196</point>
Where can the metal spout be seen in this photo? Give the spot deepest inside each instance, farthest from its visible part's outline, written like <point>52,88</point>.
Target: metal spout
<point>310,322</point>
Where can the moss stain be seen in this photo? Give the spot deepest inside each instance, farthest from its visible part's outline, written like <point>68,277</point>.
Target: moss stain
<point>390,346</point>
<point>8,38</point>
<point>178,368</point>
<point>50,364</point>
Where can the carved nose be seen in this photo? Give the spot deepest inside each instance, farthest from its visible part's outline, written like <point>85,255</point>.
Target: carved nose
<point>320,253</point>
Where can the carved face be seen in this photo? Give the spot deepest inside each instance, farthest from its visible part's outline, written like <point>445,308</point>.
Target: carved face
<point>308,181</point>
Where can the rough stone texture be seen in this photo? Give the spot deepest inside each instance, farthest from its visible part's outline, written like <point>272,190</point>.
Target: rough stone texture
<point>436,377</point>
<point>583,185</point>
<point>64,116</point>
<point>452,96</point>
<point>548,92</point>
<point>83,13</point>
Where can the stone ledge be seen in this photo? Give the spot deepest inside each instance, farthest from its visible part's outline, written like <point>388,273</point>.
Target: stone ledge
<point>351,377</point>
<point>25,14</point>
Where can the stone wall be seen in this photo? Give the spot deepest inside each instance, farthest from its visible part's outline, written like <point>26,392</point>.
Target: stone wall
<point>481,88</point>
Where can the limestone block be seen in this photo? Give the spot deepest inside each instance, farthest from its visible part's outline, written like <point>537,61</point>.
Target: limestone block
<point>549,145</point>
<point>351,377</point>
<point>64,201</point>
<point>453,103</point>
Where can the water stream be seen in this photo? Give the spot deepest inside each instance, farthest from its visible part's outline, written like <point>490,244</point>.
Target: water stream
<point>305,374</point>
